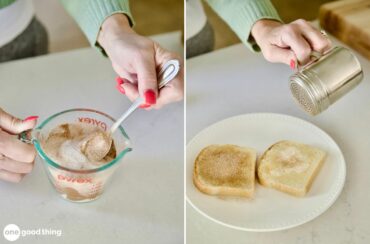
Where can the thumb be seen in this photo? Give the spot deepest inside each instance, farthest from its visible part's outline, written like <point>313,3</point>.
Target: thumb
<point>15,125</point>
<point>147,79</point>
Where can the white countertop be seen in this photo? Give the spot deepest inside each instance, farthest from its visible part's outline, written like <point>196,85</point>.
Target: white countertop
<point>144,202</point>
<point>235,81</point>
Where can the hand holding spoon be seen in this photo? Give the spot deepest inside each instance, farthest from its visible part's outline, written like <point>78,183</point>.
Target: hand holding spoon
<point>97,146</point>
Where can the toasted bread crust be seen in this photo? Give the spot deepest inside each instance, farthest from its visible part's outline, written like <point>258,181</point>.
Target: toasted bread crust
<point>315,173</point>
<point>223,190</point>
<point>282,188</point>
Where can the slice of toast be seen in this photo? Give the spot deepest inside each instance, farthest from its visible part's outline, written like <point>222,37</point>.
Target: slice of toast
<point>225,170</point>
<point>290,167</point>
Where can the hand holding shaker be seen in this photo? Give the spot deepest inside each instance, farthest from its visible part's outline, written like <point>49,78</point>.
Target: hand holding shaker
<point>325,79</point>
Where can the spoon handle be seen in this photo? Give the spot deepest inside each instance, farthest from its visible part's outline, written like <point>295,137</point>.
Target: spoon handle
<point>168,72</point>
<point>165,75</point>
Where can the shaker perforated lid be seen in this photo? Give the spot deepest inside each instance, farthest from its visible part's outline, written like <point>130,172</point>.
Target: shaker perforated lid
<point>304,98</point>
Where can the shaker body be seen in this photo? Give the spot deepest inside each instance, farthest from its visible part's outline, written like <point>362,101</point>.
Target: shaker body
<point>325,80</point>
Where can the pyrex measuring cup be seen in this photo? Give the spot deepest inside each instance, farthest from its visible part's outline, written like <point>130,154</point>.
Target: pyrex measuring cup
<point>79,185</point>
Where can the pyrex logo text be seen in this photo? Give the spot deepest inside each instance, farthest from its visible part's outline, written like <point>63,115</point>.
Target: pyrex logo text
<point>93,122</point>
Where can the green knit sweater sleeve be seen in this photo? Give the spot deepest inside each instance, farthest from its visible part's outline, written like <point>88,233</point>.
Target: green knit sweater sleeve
<point>242,14</point>
<point>4,3</point>
<point>90,14</point>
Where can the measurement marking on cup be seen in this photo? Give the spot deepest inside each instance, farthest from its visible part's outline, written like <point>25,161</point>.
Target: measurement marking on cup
<point>77,180</point>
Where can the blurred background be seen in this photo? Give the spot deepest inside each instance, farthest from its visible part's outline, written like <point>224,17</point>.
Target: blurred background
<point>152,17</point>
<point>288,10</point>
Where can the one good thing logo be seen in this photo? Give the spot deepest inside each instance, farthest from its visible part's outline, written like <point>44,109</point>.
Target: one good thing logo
<point>12,232</point>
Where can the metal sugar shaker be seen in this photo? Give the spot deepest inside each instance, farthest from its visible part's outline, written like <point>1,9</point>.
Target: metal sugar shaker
<point>325,79</point>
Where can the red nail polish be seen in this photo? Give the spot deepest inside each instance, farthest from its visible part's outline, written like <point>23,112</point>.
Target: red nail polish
<point>144,105</point>
<point>292,64</point>
<point>150,97</point>
<point>120,89</point>
<point>30,118</point>
<point>119,80</point>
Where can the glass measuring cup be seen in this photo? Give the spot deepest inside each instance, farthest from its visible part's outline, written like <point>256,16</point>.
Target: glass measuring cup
<point>79,185</point>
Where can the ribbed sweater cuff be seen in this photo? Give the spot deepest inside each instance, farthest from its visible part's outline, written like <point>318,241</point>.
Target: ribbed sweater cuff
<point>97,11</point>
<point>247,14</point>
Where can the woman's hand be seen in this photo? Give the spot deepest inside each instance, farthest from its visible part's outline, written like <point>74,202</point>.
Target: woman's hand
<point>289,43</point>
<point>16,157</point>
<point>136,59</point>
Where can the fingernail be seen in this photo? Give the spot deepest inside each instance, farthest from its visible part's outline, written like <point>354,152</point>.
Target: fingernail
<point>30,118</point>
<point>144,105</point>
<point>292,64</point>
<point>150,97</point>
<point>120,89</point>
<point>119,80</point>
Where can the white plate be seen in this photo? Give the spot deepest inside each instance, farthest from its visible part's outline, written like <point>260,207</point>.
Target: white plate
<point>269,210</point>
